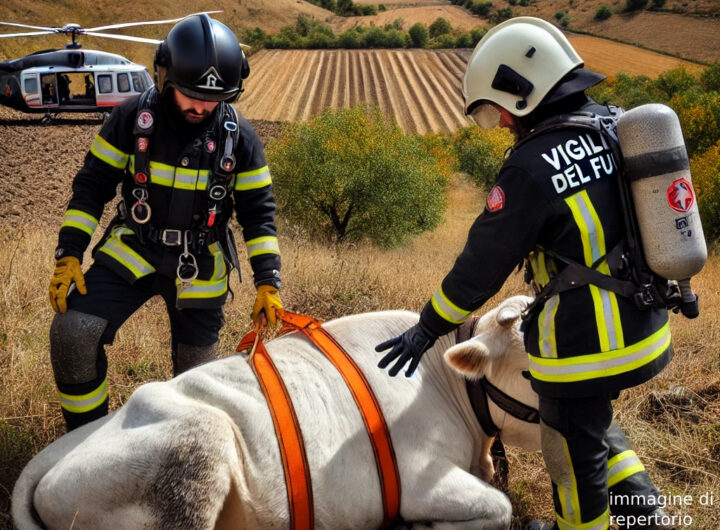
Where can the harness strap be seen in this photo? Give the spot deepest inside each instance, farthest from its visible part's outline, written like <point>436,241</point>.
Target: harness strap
<point>287,430</point>
<point>366,402</point>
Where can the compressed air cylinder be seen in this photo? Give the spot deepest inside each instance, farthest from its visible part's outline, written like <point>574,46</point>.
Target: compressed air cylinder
<point>656,163</point>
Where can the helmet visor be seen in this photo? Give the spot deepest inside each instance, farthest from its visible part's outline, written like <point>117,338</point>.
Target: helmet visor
<point>486,115</point>
<point>225,95</point>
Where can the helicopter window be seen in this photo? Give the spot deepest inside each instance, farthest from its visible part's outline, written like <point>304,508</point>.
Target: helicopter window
<point>30,85</point>
<point>137,82</point>
<point>123,83</point>
<point>104,83</point>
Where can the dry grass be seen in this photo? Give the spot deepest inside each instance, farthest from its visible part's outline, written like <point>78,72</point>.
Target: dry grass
<point>677,438</point>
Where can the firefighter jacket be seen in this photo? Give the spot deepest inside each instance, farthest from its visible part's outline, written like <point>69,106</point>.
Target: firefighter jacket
<point>181,156</point>
<point>558,195</point>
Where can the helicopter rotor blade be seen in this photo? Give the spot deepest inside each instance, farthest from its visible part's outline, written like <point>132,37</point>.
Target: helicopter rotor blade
<point>27,26</point>
<point>122,37</point>
<point>29,34</point>
<point>128,24</point>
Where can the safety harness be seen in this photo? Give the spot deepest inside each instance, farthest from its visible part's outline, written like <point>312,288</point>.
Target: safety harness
<point>630,276</point>
<point>287,427</point>
<point>480,391</point>
<point>204,231</point>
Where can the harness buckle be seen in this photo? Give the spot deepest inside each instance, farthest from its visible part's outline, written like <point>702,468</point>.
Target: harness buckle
<point>644,296</point>
<point>171,237</point>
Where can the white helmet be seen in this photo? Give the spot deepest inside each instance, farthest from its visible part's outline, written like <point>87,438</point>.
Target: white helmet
<point>516,64</point>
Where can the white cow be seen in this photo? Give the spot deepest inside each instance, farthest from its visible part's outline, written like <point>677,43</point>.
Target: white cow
<point>200,451</point>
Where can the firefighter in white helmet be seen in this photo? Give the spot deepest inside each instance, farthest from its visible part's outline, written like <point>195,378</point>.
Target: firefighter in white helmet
<point>556,200</point>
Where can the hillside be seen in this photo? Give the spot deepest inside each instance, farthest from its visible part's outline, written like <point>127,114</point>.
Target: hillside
<point>271,15</point>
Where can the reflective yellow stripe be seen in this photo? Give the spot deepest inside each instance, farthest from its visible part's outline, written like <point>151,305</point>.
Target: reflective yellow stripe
<point>202,289</point>
<point>80,220</point>
<point>86,402</point>
<point>175,177</point>
<point>623,465</point>
<point>602,364</point>
<point>447,310</point>
<point>131,260</point>
<point>219,269</point>
<point>571,506</point>
<point>108,153</point>
<point>250,180</point>
<point>607,314</point>
<point>601,523</point>
<point>263,245</point>
<point>547,342</point>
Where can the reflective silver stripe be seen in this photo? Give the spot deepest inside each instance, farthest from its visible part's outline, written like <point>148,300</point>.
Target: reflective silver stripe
<point>126,256</point>
<point>593,240</point>
<point>162,174</point>
<point>254,179</point>
<point>87,402</point>
<point>263,245</point>
<point>80,220</point>
<point>202,289</point>
<point>548,343</point>
<point>446,309</point>
<point>601,364</point>
<point>185,178</point>
<point>622,466</point>
<point>108,153</point>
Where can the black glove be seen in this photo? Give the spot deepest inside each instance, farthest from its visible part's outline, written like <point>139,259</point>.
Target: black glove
<point>409,346</point>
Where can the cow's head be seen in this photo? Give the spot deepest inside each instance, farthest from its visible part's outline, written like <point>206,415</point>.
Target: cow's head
<point>496,350</point>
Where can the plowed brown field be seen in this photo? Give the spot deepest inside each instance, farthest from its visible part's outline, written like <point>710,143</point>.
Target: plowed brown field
<point>420,88</point>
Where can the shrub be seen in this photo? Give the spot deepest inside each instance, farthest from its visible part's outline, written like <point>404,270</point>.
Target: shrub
<point>443,41</point>
<point>699,115</point>
<point>502,14</point>
<point>477,34</point>
<point>558,15</point>
<point>705,170</point>
<point>565,21</point>
<point>354,174</point>
<point>480,153</point>
<point>439,27</point>
<point>710,78</point>
<point>603,12</point>
<point>657,4</point>
<point>418,35</point>
<point>382,7</point>
<point>464,40</point>
<point>350,39</point>
<point>673,82</point>
<point>482,9</point>
<point>634,5</point>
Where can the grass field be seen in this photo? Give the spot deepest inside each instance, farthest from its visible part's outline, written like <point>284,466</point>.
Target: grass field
<point>676,435</point>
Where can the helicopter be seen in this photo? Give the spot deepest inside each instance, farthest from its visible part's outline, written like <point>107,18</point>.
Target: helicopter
<point>73,79</point>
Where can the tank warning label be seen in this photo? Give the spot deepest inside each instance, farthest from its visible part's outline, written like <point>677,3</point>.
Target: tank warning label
<point>680,195</point>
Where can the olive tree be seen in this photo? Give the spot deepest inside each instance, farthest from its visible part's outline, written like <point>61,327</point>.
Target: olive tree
<point>353,174</point>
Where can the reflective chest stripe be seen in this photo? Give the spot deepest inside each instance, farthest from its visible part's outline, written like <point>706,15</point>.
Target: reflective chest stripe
<point>366,402</point>
<point>175,177</point>
<point>547,342</point>
<point>592,235</point>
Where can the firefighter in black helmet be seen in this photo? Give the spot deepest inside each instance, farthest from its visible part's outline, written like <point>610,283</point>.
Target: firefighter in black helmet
<point>556,201</point>
<point>186,160</point>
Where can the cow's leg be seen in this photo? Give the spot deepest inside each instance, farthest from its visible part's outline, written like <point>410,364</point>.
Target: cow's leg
<point>447,497</point>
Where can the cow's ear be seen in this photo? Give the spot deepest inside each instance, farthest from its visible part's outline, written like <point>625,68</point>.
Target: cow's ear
<point>468,358</point>
<point>511,310</point>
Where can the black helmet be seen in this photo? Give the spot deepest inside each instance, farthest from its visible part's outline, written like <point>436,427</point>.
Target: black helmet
<point>201,58</point>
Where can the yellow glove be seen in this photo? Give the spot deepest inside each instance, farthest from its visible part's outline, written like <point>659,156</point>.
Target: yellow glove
<point>67,270</point>
<point>267,300</point>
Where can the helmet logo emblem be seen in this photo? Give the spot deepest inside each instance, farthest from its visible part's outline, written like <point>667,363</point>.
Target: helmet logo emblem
<point>680,195</point>
<point>210,79</point>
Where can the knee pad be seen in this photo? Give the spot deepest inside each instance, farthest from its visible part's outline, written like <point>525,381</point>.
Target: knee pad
<point>187,356</point>
<point>74,341</point>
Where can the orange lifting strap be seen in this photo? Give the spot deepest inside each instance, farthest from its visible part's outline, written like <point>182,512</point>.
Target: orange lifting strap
<point>364,398</point>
